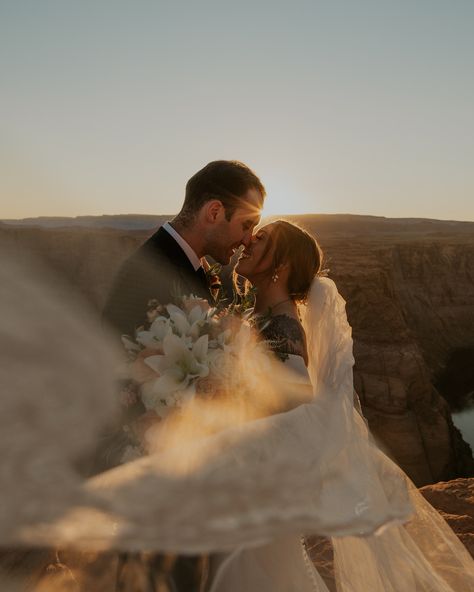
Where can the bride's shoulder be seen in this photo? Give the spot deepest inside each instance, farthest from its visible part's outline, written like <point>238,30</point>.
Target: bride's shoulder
<point>285,323</point>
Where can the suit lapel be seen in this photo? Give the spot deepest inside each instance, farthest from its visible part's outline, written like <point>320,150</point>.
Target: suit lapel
<point>162,243</point>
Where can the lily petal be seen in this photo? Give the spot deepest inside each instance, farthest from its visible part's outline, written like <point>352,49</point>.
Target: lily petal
<point>196,315</point>
<point>178,319</point>
<point>147,339</point>
<point>160,328</point>
<point>200,348</point>
<point>157,363</point>
<point>174,348</point>
<point>170,382</point>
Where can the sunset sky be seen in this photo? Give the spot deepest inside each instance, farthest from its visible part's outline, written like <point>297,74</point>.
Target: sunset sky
<point>356,106</point>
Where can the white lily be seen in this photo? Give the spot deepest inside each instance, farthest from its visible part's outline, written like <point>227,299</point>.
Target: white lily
<point>191,301</point>
<point>179,319</point>
<point>187,324</point>
<point>155,335</point>
<point>178,365</point>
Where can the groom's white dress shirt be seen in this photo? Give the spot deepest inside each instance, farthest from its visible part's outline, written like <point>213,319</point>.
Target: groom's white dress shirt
<point>191,255</point>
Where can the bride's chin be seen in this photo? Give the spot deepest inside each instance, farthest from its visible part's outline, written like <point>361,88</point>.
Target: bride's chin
<point>240,269</point>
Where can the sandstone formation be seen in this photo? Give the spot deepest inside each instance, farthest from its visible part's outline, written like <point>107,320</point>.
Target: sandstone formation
<point>454,500</point>
<point>409,286</point>
<point>410,301</point>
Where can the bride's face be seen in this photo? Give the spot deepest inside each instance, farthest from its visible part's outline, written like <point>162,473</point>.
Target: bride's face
<point>257,258</point>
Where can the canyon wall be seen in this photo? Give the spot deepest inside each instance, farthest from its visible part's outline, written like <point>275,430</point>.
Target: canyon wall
<point>410,304</point>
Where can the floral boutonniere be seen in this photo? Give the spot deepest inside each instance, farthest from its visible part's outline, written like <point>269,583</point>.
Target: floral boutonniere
<point>213,279</point>
<point>244,303</point>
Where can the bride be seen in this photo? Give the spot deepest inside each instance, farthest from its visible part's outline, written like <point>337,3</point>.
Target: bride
<point>302,318</point>
<point>280,264</point>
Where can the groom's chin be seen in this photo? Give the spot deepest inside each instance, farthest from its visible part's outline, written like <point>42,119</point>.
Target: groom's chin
<point>221,260</point>
<point>224,258</point>
<point>241,271</point>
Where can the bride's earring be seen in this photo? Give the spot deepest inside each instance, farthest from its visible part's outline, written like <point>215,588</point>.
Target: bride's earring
<point>274,277</point>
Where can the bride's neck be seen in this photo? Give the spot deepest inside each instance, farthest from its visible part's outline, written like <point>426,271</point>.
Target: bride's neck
<point>271,296</point>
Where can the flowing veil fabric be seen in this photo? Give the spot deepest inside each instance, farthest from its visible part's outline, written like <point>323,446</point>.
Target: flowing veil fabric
<point>57,393</point>
<point>305,470</point>
<point>252,489</point>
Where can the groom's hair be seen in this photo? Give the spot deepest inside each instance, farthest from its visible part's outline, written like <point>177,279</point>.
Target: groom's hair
<point>225,180</point>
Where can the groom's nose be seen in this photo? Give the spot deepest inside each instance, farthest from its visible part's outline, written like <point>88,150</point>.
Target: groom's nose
<point>253,238</point>
<point>247,238</point>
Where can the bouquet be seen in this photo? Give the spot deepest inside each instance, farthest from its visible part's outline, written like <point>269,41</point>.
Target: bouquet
<point>191,354</point>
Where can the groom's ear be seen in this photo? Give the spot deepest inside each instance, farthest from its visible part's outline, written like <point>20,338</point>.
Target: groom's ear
<point>213,211</point>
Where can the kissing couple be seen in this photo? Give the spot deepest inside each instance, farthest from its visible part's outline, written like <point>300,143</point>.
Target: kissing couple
<point>308,468</point>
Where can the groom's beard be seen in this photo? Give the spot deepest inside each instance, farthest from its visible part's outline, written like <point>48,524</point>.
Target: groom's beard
<point>221,253</point>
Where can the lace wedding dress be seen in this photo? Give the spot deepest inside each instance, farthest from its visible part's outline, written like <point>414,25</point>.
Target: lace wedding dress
<point>282,564</point>
<point>248,492</point>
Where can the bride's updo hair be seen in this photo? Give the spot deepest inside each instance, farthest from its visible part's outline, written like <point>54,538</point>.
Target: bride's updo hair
<point>295,246</point>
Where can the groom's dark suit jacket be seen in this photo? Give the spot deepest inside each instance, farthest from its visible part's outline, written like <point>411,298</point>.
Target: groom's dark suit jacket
<point>160,270</point>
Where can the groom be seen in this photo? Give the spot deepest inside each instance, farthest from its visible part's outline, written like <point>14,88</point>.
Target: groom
<point>222,205</point>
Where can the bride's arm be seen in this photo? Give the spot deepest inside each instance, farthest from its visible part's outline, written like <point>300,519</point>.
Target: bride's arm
<point>285,336</point>
<point>294,385</point>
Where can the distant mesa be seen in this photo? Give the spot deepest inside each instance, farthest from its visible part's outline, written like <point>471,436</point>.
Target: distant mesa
<point>332,223</point>
<point>120,221</point>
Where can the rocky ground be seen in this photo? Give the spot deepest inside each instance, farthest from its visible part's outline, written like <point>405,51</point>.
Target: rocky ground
<point>455,502</point>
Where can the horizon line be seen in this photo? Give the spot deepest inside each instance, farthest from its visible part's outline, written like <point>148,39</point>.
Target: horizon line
<point>347,214</point>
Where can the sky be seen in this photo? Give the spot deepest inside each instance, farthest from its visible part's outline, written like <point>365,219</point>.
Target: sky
<point>356,106</point>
